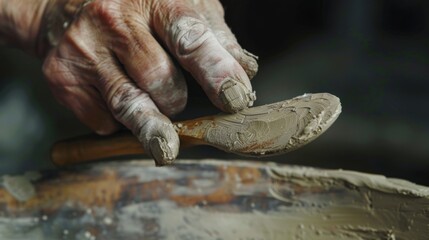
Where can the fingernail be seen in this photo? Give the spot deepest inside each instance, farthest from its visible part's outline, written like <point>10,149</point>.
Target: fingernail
<point>235,96</point>
<point>250,63</point>
<point>161,151</point>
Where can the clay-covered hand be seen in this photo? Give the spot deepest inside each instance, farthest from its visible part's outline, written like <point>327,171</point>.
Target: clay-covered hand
<point>113,61</point>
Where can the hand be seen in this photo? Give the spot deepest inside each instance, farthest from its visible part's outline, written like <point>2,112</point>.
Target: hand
<point>113,61</point>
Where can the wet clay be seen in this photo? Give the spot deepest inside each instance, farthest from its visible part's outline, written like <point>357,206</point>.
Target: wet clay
<point>375,207</point>
<point>212,199</point>
<point>269,129</point>
<point>327,178</point>
<point>20,187</point>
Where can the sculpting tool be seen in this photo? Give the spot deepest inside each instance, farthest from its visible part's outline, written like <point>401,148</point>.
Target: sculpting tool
<point>260,131</point>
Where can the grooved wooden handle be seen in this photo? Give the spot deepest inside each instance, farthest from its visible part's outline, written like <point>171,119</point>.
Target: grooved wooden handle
<point>92,147</point>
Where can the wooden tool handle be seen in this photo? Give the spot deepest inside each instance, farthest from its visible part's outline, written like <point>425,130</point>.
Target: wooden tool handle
<point>92,147</point>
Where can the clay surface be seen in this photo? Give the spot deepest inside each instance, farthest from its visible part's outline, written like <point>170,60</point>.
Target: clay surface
<point>18,186</point>
<point>215,200</point>
<point>269,129</point>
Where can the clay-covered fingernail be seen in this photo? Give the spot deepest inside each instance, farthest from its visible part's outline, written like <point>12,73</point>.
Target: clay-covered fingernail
<point>161,151</point>
<point>249,63</point>
<point>235,96</point>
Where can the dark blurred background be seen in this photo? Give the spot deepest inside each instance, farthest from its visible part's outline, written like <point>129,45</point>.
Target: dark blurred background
<point>373,54</point>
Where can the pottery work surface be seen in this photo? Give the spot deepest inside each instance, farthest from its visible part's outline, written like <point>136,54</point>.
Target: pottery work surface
<point>211,200</point>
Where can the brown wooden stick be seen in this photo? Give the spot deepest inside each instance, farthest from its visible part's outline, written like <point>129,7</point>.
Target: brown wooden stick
<point>92,147</point>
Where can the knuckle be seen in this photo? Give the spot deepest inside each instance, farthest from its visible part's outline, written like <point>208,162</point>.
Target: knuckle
<point>113,19</point>
<point>167,8</point>
<point>189,34</point>
<point>127,103</point>
<point>106,10</point>
<point>119,96</point>
<point>76,46</point>
<point>155,77</point>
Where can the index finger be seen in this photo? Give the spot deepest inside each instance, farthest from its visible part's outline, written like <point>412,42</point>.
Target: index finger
<point>195,46</point>
<point>135,109</point>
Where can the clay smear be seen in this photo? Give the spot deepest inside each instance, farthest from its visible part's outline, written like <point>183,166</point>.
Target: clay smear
<point>356,205</point>
<point>19,187</point>
<point>269,129</point>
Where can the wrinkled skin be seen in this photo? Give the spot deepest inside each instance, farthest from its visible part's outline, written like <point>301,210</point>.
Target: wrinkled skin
<point>120,62</point>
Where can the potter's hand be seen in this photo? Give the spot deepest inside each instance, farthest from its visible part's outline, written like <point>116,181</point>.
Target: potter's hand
<point>113,60</point>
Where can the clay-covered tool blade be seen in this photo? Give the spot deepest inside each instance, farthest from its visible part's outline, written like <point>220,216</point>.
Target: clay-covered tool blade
<point>269,129</point>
